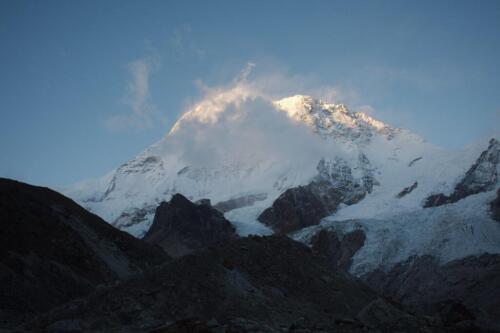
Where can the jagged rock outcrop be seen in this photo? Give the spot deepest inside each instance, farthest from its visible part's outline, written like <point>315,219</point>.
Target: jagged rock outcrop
<point>52,250</point>
<point>426,286</point>
<point>338,250</point>
<point>133,216</point>
<point>300,207</point>
<point>495,207</point>
<point>181,226</point>
<point>303,206</point>
<point>407,190</point>
<point>267,284</point>
<point>481,177</point>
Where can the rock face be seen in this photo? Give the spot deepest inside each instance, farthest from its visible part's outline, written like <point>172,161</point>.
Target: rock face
<point>495,207</point>
<point>407,190</point>
<point>303,206</point>
<point>481,177</point>
<point>300,207</point>
<point>265,284</point>
<point>339,251</point>
<point>52,250</point>
<point>426,286</point>
<point>181,226</point>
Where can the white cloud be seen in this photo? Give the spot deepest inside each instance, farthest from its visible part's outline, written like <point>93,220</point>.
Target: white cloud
<point>143,113</point>
<point>239,122</point>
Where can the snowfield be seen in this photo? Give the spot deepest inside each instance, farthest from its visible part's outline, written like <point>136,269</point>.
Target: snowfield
<point>447,232</point>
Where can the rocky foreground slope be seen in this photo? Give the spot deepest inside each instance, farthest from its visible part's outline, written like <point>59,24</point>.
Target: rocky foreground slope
<point>423,284</point>
<point>52,250</point>
<point>254,284</point>
<point>63,269</point>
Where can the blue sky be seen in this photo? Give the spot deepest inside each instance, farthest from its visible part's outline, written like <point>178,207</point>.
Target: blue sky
<point>86,85</point>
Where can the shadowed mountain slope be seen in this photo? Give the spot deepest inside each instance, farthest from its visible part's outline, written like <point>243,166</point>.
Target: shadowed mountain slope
<point>52,250</point>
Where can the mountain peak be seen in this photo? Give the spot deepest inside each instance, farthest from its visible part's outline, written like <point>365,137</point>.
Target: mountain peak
<point>300,104</point>
<point>328,119</point>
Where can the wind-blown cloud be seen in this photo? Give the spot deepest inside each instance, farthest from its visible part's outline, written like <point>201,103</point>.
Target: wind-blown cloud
<point>183,43</point>
<point>244,73</point>
<point>143,113</point>
<point>240,123</point>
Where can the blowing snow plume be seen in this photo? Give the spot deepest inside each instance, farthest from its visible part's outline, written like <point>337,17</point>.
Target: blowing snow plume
<point>241,124</point>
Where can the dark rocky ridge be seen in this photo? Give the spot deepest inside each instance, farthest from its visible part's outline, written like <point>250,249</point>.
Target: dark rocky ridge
<point>407,190</point>
<point>338,250</point>
<point>495,207</point>
<point>481,177</point>
<point>424,285</point>
<point>266,284</point>
<point>301,207</point>
<point>181,226</point>
<point>52,250</point>
<point>304,206</point>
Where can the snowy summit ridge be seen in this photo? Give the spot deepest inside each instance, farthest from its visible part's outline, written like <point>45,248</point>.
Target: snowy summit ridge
<point>334,120</point>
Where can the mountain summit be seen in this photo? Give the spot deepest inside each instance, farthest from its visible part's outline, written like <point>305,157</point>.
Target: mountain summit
<point>332,120</point>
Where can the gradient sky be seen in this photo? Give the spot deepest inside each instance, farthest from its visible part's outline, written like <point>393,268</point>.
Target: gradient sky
<point>86,85</point>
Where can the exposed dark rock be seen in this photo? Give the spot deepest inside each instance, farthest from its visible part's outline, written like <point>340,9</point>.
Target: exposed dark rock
<point>304,206</point>
<point>351,243</point>
<point>243,201</point>
<point>453,312</point>
<point>438,199</point>
<point>495,207</point>
<point>181,226</point>
<point>382,316</point>
<point>133,216</point>
<point>412,162</point>
<point>338,250</point>
<point>458,290</point>
<point>481,177</point>
<point>52,250</point>
<point>206,202</point>
<point>300,207</point>
<point>407,190</point>
<point>272,284</point>
<point>327,243</point>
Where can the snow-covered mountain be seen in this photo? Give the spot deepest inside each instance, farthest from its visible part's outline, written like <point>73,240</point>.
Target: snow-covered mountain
<point>243,150</point>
